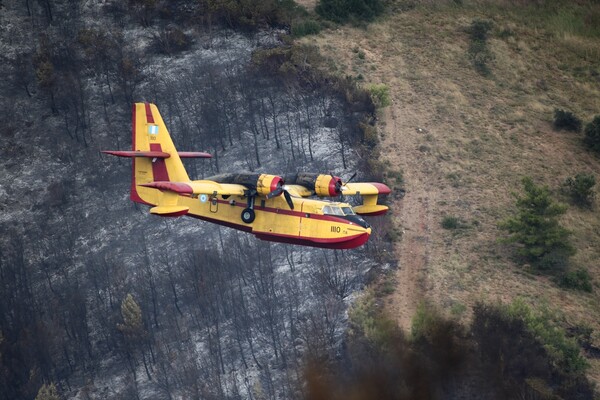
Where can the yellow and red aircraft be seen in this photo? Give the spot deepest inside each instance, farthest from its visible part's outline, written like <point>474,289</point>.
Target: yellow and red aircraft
<point>269,206</point>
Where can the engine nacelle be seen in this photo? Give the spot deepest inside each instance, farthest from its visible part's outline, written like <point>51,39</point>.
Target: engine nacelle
<point>323,185</point>
<point>328,186</point>
<point>268,183</point>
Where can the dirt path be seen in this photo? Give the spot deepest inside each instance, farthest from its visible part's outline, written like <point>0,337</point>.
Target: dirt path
<point>412,213</point>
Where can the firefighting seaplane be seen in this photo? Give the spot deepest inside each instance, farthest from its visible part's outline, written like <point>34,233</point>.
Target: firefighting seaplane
<point>271,207</point>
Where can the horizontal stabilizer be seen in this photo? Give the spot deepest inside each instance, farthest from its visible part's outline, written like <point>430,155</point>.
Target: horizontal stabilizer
<point>148,154</point>
<point>193,154</point>
<point>169,211</point>
<point>371,210</point>
<point>157,154</point>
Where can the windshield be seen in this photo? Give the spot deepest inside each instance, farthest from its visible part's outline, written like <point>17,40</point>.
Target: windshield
<point>348,211</point>
<point>335,210</point>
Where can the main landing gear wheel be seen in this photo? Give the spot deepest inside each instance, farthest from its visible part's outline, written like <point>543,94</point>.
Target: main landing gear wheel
<point>248,215</point>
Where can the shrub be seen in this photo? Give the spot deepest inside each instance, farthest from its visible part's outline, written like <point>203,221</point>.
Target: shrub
<point>528,351</point>
<point>566,120</point>
<point>380,94</point>
<point>305,28</point>
<point>578,279</point>
<point>370,137</point>
<point>564,351</point>
<point>592,134</point>
<point>479,53</point>
<point>543,241</point>
<point>581,188</point>
<point>450,222</point>
<point>479,30</point>
<point>343,10</point>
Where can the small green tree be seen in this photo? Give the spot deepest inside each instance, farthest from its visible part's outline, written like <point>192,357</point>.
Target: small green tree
<point>592,134</point>
<point>543,241</point>
<point>47,392</point>
<point>581,188</point>
<point>132,326</point>
<point>566,120</point>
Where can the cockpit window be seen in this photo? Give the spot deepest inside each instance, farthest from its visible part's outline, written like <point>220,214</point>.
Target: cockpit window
<point>333,210</point>
<point>348,211</point>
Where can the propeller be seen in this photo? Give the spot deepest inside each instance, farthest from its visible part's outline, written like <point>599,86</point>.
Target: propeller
<point>339,185</point>
<point>281,189</point>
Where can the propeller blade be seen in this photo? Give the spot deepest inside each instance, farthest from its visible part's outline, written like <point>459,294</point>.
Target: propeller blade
<point>352,177</point>
<point>288,198</point>
<point>275,192</point>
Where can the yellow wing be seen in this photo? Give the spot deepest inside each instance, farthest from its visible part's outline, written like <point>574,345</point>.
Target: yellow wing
<point>365,188</point>
<point>298,190</point>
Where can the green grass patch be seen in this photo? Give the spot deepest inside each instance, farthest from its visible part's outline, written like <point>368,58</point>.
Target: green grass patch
<point>305,28</point>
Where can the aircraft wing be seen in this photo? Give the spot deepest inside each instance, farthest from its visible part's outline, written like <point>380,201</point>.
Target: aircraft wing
<point>365,188</point>
<point>199,187</point>
<point>298,191</point>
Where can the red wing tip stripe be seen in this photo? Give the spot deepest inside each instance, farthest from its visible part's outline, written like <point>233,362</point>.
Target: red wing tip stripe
<point>193,154</point>
<point>176,187</point>
<point>148,154</point>
<point>381,188</point>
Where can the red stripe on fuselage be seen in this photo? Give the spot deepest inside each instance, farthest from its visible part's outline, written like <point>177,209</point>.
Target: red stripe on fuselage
<point>337,243</point>
<point>240,227</point>
<point>149,116</point>
<point>159,168</point>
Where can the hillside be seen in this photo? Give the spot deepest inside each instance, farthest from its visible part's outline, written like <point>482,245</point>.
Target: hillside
<point>101,300</point>
<point>463,140</point>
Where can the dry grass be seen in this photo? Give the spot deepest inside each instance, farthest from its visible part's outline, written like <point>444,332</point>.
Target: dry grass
<point>479,135</point>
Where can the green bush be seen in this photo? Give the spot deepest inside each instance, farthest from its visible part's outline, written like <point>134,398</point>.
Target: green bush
<point>581,188</point>
<point>450,222</point>
<point>305,28</point>
<point>479,52</point>
<point>543,241</point>
<point>578,279</point>
<point>380,94</point>
<point>344,10</point>
<point>566,120</point>
<point>592,134</point>
<point>479,30</point>
<point>528,352</point>
<point>370,137</point>
<point>564,351</point>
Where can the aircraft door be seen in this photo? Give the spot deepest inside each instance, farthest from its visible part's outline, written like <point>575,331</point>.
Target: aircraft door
<point>214,204</point>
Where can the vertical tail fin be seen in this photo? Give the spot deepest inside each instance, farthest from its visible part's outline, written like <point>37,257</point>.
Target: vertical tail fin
<point>151,135</point>
<point>155,158</point>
